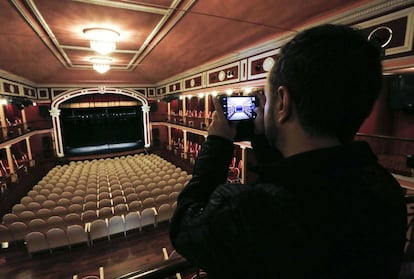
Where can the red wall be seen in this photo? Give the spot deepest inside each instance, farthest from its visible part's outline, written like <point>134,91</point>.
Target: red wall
<point>12,113</point>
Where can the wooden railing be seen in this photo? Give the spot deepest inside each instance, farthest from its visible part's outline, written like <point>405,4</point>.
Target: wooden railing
<point>14,131</point>
<point>198,123</point>
<point>162,269</point>
<point>391,151</point>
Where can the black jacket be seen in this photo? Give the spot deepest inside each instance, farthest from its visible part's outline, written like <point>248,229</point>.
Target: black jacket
<point>328,213</point>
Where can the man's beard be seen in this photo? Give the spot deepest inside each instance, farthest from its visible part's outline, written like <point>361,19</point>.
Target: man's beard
<point>270,129</point>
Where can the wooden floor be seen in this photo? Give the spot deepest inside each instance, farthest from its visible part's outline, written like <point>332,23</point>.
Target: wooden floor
<point>119,256</point>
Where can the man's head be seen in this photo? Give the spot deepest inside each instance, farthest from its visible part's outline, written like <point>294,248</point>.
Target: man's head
<point>332,75</point>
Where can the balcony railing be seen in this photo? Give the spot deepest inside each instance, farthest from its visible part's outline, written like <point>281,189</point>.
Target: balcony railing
<point>199,123</point>
<point>162,269</point>
<point>16,130</point>
<point>392,152</point>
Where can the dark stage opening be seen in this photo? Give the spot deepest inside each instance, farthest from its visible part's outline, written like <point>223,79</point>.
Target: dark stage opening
<point>103,129</point>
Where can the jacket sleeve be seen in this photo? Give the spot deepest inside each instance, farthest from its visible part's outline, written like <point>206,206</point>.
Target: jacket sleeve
<point>189,228</point>
<point>213,221</point>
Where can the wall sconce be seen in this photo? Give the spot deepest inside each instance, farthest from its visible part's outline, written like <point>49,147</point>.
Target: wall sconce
<point>200,95</point>
<point>229,92</point>
<point>248,90</point>
<point>214,93</point>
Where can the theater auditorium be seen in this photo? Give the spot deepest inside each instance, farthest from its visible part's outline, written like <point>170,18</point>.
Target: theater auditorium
<point>105,105</point>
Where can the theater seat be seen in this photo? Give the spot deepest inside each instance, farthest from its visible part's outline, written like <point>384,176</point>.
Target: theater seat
<point>98,229</point>
<point>38,225</point>
<point>73,219</point>
<point>163,213</point>
<point>18,230</point>
<point>56,238</point>
<point>35,242</point>
<point>135,206</point>
<point>77,234</point>
<point>56,222</point>
<point>116,225</point>
<point>148,217</point>
<point>9,218</point>
<point>132,221</point>
<point>44,213</point>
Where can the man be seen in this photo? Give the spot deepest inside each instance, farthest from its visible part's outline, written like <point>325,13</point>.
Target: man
<point>325,208</point>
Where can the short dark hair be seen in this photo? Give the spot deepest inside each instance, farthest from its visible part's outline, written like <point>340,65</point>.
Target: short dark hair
<point>333,74</point>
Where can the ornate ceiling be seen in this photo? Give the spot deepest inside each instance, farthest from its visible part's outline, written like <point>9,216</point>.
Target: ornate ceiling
<point>42,40</point>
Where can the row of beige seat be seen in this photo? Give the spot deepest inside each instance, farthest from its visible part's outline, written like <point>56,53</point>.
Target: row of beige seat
<point>90,202</point>
<point>89,211</point>
<point>17,231</point>
<point>103,192</point>
<point>76,234</point>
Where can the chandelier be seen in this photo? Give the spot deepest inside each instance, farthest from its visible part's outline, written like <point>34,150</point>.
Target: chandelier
<point>101,64</point>
<point>102,40</point>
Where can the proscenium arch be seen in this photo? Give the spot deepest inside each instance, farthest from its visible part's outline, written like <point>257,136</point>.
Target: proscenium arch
<point>55,111</point>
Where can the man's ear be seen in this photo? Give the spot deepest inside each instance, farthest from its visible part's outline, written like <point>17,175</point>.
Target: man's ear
<point>283,104</point>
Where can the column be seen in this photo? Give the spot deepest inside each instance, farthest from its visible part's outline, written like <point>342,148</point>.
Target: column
<point>243,170</point>
<point>184,154</point>
<point>55,113</point>
<point>169,111</point>
<point>147,129</point>
<point>206,110</point>
<point>10,162</point>
<point>169,147</point>
<point>29,152</point>
<point>184,111</point>
<point>24,119</point>
<point>3,121</point>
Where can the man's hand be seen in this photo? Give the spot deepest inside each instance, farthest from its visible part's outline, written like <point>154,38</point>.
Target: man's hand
<point>220,126</point>
<point>259,121</point>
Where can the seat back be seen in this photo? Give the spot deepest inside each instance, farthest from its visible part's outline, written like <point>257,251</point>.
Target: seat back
<point>56,237</point>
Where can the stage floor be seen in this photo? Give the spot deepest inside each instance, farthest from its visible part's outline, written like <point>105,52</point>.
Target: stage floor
<point>103,149</point>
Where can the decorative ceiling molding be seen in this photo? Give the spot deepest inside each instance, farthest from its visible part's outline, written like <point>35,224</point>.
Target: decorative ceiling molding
<point>171,16</point>
<point>12,77</point>
<point>174,21</point>
<point>349,17</point>
<point>408,32</point>
<point>370,10</point>
<point>39,30</point>
<point>127,6</point>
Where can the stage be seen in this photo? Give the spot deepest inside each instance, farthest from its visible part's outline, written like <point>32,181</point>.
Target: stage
<point>104,150</point>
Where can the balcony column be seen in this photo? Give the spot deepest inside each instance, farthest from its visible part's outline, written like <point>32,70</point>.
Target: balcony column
<point>206,110</point>
<point>169,147</point>
<point>147,127</point>
<point>184,154</point>
<point>29,152</point>
<point>184,110</point>
<point>169,111</point>
<point>55,113</point>
<point>24,119</point>
<point>3,121</point>
<point>10,162</point>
